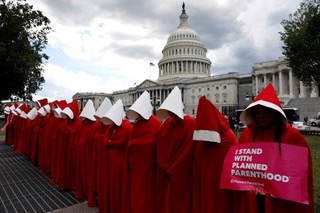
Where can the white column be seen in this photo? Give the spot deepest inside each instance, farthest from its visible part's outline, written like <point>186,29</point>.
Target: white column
<point>168,66</point>
<point>264,80</point>
<point>186,66</point>
<point>280,83</point>
<point>182,66</point>
<point>257,85</point>
<point>173,67</point>
<point>274,79</point>
<point>193,67</point>
<point>196,69</point>
<point>314,91</point>
<point>290,84</point>
<point>177,67</point>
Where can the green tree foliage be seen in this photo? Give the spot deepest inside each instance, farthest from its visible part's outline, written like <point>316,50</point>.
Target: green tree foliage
<point>301,39</point>
<point>23,37</point>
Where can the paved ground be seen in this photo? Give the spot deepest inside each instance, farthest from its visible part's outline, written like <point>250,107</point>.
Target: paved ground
<point>24,189</point>
<point>81,208</point>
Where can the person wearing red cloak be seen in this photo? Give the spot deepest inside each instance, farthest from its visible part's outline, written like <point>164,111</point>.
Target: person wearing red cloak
<point>45,134</point>
<point>213,137</point>
<point>265,122</point>
<point>85,145</point>
<point>50,122</point>
<point>97,173</point>
<point>50,134</point>
<point>58,141</point>
<point>115,143</point>
<point>175,152</point>
<point>140,167</point>
<point>22,129</point>
<point>68,149</point>
<point>32,131</point>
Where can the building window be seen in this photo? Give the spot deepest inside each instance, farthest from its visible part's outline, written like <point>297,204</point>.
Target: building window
<point>217,96</point>
<point>208,96</point>
<point>199,89</point>
<point>192,89</point>
<point>217,87</point>
<point>193,99</point>
<point>224,87</point>
<point>224,96</point>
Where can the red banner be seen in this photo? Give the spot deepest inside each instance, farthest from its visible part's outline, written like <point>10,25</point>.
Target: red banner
<point>281,170</point>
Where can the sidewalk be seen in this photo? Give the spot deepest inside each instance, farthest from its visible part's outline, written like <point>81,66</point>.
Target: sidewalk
<point>81,208</point>
<point>24,189</point>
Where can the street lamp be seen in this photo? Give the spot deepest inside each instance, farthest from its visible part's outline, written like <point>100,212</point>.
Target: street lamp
<point>154,102</point>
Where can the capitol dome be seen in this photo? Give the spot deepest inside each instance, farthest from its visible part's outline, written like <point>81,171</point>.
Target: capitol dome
<point>184,55</point>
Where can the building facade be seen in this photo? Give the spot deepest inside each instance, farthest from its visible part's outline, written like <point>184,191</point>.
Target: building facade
<point>184,64</point>
<point>97,98</point>
<point>281,76</point>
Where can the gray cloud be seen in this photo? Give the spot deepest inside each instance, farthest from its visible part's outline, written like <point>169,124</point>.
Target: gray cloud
<point>216,26</point>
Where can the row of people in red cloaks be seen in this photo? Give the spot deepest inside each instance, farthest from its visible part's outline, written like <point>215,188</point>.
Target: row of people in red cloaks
<point>163,163</point>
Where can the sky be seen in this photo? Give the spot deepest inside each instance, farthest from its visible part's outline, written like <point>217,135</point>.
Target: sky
<point>108,45</point>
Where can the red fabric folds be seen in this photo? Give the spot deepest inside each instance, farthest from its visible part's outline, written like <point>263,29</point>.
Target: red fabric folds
<point>175,152</point>
<point>67,154</point>
<point>85,158</point>
<point>208,164</point>
<point>208,161</point>
<point>115,144</point>
<point>140,169</point>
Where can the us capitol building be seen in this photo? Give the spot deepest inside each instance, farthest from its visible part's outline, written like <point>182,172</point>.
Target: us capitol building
<point>185,64</point>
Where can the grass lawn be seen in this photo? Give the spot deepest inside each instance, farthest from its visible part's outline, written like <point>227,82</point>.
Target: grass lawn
<point>1,125</point>
<point>314,142</point>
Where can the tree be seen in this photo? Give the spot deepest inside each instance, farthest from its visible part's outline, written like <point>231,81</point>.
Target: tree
<point>23,37</point>
<point>301,38</point>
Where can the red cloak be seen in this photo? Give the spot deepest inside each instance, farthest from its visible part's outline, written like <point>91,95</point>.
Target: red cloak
<point>140,169</point>
<point>175,152</point>
<point>208,164</point>
<point>85,145</point>
<point>67,152</point>
<point>115,143</point>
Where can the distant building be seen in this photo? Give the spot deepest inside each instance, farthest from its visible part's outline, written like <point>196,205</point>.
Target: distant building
<point>281,76</point>
<point>184,64</point>
<point>97,98</point>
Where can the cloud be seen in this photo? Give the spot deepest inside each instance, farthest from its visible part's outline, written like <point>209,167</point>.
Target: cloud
<point>107,45</point>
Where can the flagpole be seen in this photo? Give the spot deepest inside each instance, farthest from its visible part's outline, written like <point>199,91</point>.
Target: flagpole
<point>150,65</point>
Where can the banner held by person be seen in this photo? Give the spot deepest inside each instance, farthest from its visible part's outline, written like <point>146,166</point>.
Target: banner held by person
<point>254,166</point>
